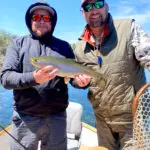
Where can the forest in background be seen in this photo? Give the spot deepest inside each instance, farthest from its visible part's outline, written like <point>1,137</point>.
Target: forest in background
<point>5,38</point>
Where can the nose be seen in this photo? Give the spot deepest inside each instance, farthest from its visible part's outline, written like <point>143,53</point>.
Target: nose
<point>94,10</point>
<point>41,21</point>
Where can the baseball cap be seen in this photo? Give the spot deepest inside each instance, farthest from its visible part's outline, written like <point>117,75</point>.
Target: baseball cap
<point>84,2</point>
<point>42,6</point>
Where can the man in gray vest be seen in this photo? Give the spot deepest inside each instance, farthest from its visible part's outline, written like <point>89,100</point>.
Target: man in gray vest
<point>115,49</point>
<point>40,96</point>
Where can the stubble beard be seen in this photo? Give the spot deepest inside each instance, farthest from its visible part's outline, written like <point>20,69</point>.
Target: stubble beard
<point>40,30</point>
<point>97,22</point>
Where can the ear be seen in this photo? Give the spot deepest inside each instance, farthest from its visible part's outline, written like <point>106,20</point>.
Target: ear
<point>83,13</point>
<point>107,7</point>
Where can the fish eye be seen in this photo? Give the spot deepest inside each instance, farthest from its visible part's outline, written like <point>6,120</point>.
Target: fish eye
<point>36,60</point>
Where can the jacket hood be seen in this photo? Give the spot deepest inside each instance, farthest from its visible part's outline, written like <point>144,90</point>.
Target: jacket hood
<point>46,37</point>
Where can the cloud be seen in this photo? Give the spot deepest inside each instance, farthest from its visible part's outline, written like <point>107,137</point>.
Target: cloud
<point>134,2</point>
<point>126,9</point>
<point>144,1</point>
<point>70,36</point>
<point>141,18</point>
<point>140,11</point>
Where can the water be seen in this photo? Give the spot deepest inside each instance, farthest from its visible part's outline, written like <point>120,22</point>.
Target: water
<point>5,107</point>
<point>75,95</point>
<point>80,96</point>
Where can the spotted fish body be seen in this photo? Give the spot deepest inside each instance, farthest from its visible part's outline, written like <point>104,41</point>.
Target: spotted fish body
<point>68,68</point>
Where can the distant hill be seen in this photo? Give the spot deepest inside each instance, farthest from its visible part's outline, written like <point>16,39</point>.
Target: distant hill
<point>5,38</point>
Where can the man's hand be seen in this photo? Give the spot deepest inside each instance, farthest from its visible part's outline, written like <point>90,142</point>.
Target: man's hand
<point>45,74</point>
<point>82,80</point>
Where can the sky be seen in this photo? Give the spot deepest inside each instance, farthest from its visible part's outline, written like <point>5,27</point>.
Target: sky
<point>70,22</point>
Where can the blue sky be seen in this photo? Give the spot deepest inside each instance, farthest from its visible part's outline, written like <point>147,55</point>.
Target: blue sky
<point>70,21</point>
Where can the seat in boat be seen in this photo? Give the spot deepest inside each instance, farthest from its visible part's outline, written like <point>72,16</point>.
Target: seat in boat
<point>74,125</point>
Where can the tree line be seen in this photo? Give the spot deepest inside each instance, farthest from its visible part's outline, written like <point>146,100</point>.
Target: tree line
<point>6,37</point>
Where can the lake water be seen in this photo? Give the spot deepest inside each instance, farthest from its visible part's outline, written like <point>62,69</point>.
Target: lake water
<point>75,95</point>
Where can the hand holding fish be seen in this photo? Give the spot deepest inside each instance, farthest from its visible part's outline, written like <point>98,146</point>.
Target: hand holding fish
<point>68,68</point>
<point>45,74</point>
<point>82,80</point>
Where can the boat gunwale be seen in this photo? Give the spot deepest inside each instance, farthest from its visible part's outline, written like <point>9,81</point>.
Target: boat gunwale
<point>83,124</point>
<point>7,129</point>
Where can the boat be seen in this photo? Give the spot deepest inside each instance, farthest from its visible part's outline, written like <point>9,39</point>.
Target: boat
<point>87,139</point>
<point>88,133</point>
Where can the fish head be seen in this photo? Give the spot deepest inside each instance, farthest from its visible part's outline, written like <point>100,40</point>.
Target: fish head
<point>35,62</point>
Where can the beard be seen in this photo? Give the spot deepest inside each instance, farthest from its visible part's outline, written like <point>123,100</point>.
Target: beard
<point>42,30</point>
<point>42,33</point>
<point>98,22</point>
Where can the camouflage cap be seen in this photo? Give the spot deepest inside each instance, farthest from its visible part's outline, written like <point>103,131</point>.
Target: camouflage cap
<point>85,1</point>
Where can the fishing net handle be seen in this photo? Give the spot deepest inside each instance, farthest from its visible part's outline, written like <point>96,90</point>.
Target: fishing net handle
<point>137,96</point>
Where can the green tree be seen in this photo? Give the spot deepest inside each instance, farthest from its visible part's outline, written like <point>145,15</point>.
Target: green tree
<point>5,38</point>
<point>73,46</point>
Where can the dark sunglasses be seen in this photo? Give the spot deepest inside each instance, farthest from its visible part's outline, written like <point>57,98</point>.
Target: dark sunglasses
<point>89,6</point>
<point>38,17</point>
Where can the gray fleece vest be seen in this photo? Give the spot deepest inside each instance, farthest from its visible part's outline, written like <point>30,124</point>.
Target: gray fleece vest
<point>122,71</point>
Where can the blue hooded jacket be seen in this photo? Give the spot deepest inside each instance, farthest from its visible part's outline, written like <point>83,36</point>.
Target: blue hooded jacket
<point>17,72</point>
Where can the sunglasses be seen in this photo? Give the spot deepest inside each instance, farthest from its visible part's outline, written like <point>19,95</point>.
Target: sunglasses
<point>37,17</point>
<point>89,6</point>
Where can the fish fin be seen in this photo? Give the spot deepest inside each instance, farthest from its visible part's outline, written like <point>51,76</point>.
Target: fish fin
<point>66,80</point>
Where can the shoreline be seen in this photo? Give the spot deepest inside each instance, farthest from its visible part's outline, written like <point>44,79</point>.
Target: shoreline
<point>1,61</point>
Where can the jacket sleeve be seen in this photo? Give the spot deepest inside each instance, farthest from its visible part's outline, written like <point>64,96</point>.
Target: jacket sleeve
<point>141,43</point>
<point>75,85</point>
<point>73,82</point>
<point>11,77</point>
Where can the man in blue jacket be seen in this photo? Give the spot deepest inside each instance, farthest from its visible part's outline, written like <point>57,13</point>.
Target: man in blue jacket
<point>40,97</point>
